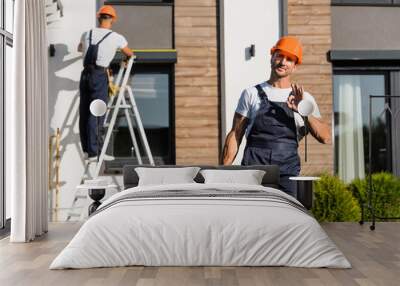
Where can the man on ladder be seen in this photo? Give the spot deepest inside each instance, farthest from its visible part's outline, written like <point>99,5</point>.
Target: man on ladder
<point>99,46</point>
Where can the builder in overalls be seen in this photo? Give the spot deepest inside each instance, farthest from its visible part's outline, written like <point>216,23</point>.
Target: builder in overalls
<point>267,114</point>
<point>99,46</point>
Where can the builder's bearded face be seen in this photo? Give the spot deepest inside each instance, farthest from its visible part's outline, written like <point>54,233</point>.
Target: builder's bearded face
<point>283,64</point>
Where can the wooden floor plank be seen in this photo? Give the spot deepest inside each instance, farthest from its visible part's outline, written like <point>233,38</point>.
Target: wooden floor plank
<point>375,257</point>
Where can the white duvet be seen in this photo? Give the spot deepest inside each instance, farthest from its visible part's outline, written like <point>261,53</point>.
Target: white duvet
<point>183,231</point>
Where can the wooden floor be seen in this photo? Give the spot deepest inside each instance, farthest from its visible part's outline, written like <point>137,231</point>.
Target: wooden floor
<point>375,257</point>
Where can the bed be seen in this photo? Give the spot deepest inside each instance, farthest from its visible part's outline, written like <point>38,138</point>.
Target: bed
<point>198,224</point>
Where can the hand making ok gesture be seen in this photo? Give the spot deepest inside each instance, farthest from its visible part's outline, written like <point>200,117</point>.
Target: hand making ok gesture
<point>295,96</point>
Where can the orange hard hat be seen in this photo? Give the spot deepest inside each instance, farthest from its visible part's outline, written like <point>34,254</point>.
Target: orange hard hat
<point>290,45</point>
<point>108,10</point>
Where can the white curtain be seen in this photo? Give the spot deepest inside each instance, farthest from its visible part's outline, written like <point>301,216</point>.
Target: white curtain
<point>26,123</point>
<point>350,128</point>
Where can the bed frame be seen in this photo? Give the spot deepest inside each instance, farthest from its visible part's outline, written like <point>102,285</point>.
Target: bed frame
<point>270,179</point>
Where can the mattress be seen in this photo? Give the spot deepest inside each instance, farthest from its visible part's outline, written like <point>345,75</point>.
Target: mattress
<point>201,225</point>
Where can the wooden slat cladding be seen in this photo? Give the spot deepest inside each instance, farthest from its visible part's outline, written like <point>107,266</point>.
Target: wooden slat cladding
<point>196,82</point>
<point>310,21</point>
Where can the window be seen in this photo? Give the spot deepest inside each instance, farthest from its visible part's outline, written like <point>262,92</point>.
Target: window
<point>6,43</point>
<point>8,73</point>
<point>152,80</point>
<point>351,117</point>
<point>152,86</point>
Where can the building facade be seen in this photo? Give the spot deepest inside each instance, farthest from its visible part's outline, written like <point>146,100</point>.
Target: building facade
<point>194,58</point>
<point>365,62</point>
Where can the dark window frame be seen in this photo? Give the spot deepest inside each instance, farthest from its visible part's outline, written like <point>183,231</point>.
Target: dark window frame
<point>365,69</point>
<point>372,3</point>
<point>366,57</point>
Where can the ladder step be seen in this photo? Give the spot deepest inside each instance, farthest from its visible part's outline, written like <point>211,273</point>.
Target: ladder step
<point>74,215</point>
<point>121,106</point>
<point>106,125</point>
<point>80,197</point>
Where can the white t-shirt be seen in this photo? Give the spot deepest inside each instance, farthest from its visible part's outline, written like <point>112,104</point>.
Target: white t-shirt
<point>249,103</point>
<point>107,48</point>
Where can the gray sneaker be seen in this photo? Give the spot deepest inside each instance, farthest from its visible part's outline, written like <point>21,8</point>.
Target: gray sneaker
<point>108,157</point>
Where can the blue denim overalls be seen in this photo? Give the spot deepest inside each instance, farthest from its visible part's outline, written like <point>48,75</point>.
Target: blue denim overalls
<point>93,85</point>
<point>273,141</point>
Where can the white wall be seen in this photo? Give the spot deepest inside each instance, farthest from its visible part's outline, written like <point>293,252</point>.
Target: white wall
<point>64,74</point>
<point>243,24</point>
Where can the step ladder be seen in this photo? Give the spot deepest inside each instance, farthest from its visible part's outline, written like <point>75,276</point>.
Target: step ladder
<point>125,101</point>
<point>79,202</point>
<point>78,205</point>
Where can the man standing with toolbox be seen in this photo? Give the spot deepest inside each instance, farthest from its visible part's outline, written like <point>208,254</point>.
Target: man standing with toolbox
<point>268,114</point>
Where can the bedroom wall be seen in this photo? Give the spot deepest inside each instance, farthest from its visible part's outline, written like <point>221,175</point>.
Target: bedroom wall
<point>64,73</point>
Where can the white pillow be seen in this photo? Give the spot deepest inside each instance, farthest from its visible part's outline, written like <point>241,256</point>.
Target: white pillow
<point>248,177</point>
<point>165,176</point>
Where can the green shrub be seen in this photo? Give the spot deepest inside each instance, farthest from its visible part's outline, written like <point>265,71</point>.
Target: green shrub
<point>386,194</point>
<point>333,201</point>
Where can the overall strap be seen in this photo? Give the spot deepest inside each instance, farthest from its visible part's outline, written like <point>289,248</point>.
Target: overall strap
<point>261,92</point>
<point>109,33</point>
<point>90,37</point>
